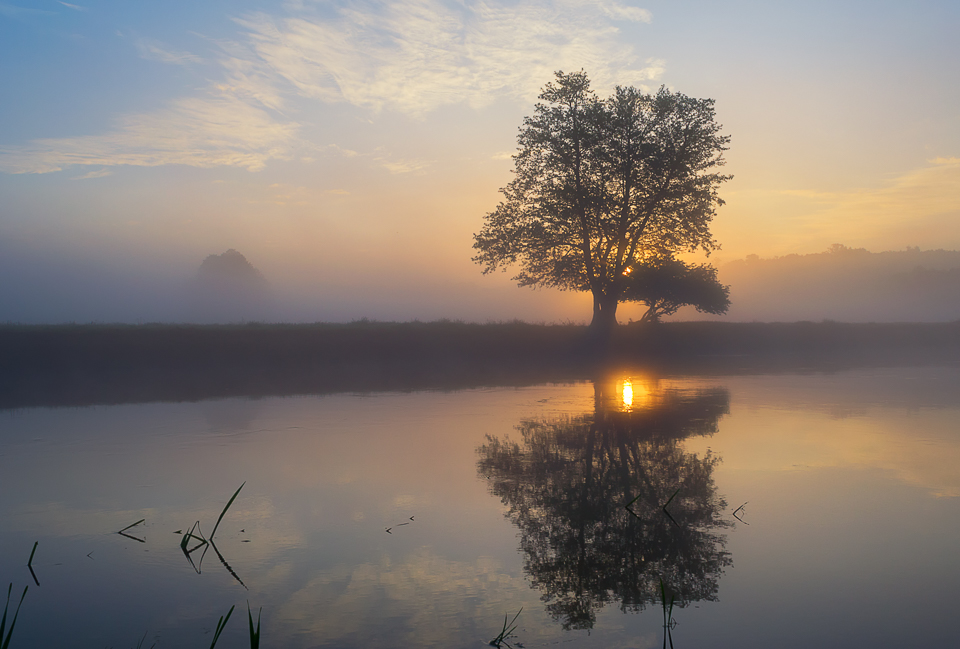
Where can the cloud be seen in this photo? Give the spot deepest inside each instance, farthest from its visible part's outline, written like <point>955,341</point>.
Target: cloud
<point>214,130</point>
<point>920,207</point>
<point>74,7</point>
<point>929,191</point>
<point>400,166</point>
<point>412,57</point>
<point>417,55</point>
<point>102,173</point>
<point>618,11</point>
<point>156,51</point>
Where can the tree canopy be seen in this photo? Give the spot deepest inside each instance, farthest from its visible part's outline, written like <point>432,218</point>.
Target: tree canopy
<point>601,184</point>
<point>566,482</point>
<point>666,284</point>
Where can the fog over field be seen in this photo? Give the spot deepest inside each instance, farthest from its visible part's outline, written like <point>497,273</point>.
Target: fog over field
<point>842,283</point>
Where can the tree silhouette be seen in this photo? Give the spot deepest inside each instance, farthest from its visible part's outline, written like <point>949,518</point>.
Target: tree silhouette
<point>666,284</point>
<point>601,184</point>
<point>567,481</point>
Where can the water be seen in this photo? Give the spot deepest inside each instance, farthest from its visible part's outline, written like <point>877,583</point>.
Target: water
<point>421,519</point>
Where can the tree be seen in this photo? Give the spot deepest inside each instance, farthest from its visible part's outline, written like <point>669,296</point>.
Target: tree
<point>666,284</point>
<point>600,185</point>
<point>566,482</point>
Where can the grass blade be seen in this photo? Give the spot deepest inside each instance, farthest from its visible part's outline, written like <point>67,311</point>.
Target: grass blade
<point>220,626</point>
<point>229,502</point>
<point>254,634</point>
<point>227,565</point>
<point>30,568</point>
<point>507,631</point>
<point>131,525</point>
<point>5,640</point>
<point>670,500</point>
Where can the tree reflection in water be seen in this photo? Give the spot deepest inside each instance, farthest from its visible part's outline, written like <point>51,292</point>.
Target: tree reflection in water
<point>568,479</point>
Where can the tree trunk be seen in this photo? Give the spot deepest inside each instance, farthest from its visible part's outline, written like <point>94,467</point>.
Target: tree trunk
<point>604,320</point>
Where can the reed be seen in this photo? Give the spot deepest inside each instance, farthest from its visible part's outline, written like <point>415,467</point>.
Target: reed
<point>123,532</point>
<point>254,633</point>
<point>30,563</point>
<point>229,502</point>
<point>5,639</point>
<point>507,631</point>
<point>670,500</point>
<point>220,626</point>
<point>668,621</point>
<point>196,534</point>
<point>131,525</point>
<point>143,639</point>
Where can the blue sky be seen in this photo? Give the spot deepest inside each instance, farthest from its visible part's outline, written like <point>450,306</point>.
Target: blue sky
<point>350,149</point>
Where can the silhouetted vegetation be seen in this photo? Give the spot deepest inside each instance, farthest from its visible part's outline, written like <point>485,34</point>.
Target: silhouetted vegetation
<point>567,483</point>
<point>86,364</point>
<point>228,288</point>
<point>602,185</point>
<point>666,284</point>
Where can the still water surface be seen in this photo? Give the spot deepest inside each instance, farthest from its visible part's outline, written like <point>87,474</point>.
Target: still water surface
<point>421,519</point>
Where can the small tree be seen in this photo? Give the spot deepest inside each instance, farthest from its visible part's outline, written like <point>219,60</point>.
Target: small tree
<point>667,284</point>
<point>601,185</point>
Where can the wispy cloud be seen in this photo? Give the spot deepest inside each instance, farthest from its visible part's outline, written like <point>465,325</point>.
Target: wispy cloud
<point>210,131</point>
<point>921,207</point>
<point>930,190</point>
<point>417,55</point>
<point>411,56</point>
<point>101,173</point>
<point>399,166</point>
<point>74,7</point>
<point>156,51</point>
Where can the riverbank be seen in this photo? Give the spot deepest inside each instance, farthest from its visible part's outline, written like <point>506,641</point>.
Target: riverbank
<point>68,365</point>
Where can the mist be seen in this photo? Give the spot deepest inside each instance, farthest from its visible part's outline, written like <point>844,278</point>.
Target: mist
<point>843,284</point>
<point>59,285</point>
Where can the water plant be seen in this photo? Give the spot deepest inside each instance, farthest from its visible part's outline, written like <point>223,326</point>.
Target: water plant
<point>220,625</point>
<point>30,563</point>
<point>130,536</point>
<point>226,507</point>
<point>664,508</point>
<point>506,631</point>
<point>196,534</point>
<point>143,639</point>
<point>738,510</point>
<point>254,633</point>
<point>668,621</point>
<point>5,639</point>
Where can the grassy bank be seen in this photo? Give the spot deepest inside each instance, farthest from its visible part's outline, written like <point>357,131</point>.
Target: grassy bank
<point>81,364</point>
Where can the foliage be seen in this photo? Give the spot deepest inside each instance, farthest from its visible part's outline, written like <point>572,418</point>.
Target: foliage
<point>567,480</point>
<point>601,184</point>
<point>666,284</point>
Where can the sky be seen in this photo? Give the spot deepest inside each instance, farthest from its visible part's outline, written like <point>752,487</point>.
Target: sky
<point>351,149</point>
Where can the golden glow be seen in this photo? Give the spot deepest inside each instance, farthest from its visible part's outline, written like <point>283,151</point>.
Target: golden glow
<point>627,394</point>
